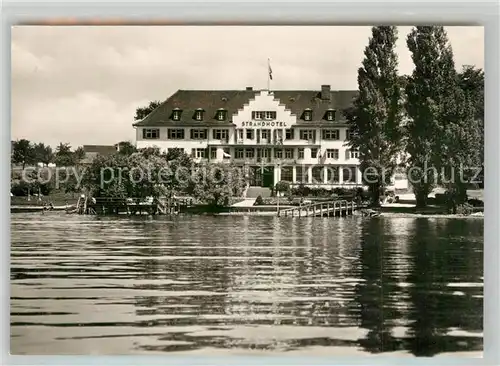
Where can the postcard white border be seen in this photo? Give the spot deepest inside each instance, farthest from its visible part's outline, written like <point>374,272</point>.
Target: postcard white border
<point>280,12</point>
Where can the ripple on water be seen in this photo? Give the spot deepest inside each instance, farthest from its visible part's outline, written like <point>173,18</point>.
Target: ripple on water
<point>86,285</point>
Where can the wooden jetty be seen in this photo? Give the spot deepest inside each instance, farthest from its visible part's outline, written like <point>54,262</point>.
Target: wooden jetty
<point>129,206</point>
<point>320,209</point>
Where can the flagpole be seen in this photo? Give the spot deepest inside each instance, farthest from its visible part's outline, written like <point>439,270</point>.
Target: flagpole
<point>268,76</point>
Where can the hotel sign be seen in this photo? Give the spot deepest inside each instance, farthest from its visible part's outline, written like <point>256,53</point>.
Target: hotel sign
<point>262,124</point>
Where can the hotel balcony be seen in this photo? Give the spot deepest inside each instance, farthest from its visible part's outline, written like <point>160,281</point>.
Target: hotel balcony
<point>267,142</point>
<point>252,161</point>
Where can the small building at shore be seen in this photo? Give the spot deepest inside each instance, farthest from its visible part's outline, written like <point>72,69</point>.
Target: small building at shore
<point>298,136</point>
<point>92,151</point>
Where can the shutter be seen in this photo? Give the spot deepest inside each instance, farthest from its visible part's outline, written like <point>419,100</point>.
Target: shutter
<point>143,133</point>
<point>253,115</point>
<point>192,153</point>
<point>205,133</point>
<point>191,133</point>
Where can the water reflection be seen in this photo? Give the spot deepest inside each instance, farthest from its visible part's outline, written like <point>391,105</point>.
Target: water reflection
<point>87,285</point>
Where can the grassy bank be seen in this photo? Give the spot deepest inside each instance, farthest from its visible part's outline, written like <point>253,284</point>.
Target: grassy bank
<point>57,199</point>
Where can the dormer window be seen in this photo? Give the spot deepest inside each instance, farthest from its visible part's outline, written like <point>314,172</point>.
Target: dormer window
<point>221,114</point>
<point>198,115</point>
<point>307,114</point>
<point>176,114</point>
<point>330,115</point>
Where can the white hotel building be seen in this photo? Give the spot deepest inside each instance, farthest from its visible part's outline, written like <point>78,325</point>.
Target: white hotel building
<point>296,136</point>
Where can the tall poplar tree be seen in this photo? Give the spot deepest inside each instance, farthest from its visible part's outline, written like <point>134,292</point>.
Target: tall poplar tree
<point>376,116</point>
<point>443,134</point>
<point>426,90</point>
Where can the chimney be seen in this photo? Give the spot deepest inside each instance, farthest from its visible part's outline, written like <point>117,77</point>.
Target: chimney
<point>325,92</point>
<point>249,88</point>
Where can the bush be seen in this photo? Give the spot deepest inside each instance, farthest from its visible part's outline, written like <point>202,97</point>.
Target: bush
<point>301,190</point>
<point>259,201</point>
<point>282,186</point>
<point>464,209</point>
<point>440,199</point>
<point>475,202</point>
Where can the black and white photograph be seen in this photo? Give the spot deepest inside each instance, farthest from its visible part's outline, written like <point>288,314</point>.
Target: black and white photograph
<point>237,190</point>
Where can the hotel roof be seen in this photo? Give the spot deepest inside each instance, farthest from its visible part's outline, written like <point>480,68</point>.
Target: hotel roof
<point>210,101</point>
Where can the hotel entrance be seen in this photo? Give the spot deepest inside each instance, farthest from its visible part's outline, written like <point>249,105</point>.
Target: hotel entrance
<point>262,176</point>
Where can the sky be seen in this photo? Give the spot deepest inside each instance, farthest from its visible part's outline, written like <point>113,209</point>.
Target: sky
<point>81,84</point>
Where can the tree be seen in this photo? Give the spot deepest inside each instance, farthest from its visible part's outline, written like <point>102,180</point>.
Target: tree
<point>23,152</point>
<point>78,155</point>
<point>43,153</point>
<point>64,155</point>
<point>105,177</point>
<point>282,186</point>
<point>217,183</point>
<point>443,135</point>
<point>460,136</point>
<point>426,89</point>
<point>150,151</point>
<point>126,148</point>
<point>471,81</point>
<point>376,116</point>
<point>142,112</point>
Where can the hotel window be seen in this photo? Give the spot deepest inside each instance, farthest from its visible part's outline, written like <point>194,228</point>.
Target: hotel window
<point>332,174</point>
<point>264,134</point>
<point>287,173</point>
<point>349,175</point>
<point>151,133</point>
<point>278,154</point>
<point>239,153</point>
<point>288,153</point>
<point>289,134</point>
<point>331,134</point>
<point>301,153</point>
<point>250,134</point>
<point>249,153</point>
<point>351,134</point>
<point>353,154</point>
<point>332,153</point>
<point>301,174</point>
<point>307,115</point>
<point>270,115</point>
<point>199,153</point>
<point>213,153</point>
<point>239,134</point>
<point>176,114</point>
<point>314,152</point>
<point>198,134</point>
<point>330,115</point>
<point>257,115</point>
<point>198,115</point>
<point>317,174</point>
<point>221,115</point>
<point>306,134</point>
<point>220,134</point>
<point>175,133</point>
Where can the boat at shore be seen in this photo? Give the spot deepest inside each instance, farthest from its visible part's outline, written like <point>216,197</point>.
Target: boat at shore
<point>23,208</point>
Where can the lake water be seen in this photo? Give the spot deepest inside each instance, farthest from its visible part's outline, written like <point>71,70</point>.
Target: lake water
<point>246,285</point>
